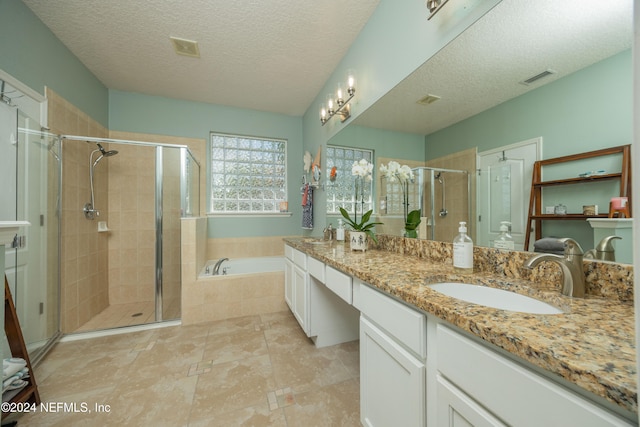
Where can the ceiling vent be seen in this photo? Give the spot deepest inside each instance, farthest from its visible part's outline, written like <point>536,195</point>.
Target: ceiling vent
<point>185,47</point>
<point>542,75</point>
<point>429,99</point>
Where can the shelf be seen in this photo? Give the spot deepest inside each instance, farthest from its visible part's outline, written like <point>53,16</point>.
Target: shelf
<point>567,216</point>
<point>18,349</point>
<point>537,184</point>
<point>578,180</point>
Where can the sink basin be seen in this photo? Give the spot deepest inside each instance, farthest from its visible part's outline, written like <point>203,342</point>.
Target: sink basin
<point>496,298</point>
<point>316,241</point>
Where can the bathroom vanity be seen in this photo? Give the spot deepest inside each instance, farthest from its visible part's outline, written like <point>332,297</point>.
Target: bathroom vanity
<point>429,359</point>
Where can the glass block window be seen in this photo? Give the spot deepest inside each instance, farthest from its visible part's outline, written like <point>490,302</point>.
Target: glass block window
<point>341,190</point>
<point>248,174</point>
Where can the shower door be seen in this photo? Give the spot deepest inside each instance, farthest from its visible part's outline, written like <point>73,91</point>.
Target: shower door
<point>504,185</point>
<point>32,266</point>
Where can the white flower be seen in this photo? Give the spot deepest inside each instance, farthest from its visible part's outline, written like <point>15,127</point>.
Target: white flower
<point>363,169</point>
<point>394,172</point>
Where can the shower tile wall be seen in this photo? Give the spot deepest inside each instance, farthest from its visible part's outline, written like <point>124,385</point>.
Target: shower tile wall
<point>132,222</point>
<point>456,200</point>
<point>84,284</point>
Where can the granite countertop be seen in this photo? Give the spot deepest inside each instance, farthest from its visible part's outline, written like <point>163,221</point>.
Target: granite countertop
<point>591,344</point>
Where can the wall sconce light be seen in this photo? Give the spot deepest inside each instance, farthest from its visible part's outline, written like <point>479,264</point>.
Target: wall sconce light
<point>336,104</point>
<point>434,6</point>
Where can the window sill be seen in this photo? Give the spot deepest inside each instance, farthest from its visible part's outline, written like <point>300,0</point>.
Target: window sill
<point>251,214</point>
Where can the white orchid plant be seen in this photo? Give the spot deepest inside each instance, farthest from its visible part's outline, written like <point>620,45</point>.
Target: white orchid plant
<point>362,170</point>
<point>393,172</point>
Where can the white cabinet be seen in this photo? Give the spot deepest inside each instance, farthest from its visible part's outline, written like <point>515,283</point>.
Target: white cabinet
<point>323,316</point>
<point>392,381</point>
<point>492,383</point>
<point>296,285</point>
<point>456,409</point>
<point>392,360</point>
<point>300,286</point>
<point>288,282</point>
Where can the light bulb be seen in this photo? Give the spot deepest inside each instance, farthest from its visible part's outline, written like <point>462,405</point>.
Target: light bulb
<point>323,114</point>
<point>351,82</point>
<point>340,95</point>
<point>330,105</point>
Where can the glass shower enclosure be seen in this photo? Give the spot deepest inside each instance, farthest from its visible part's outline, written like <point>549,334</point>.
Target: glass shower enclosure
<point>443,197</point>
<point>31,172</point>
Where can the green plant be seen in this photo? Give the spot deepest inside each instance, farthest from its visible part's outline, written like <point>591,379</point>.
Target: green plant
<point>363,225</point>
<point>411,223</point>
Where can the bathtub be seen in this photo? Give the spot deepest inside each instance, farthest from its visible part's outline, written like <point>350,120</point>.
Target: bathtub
<point>252,286</point>
<point>241,266</point>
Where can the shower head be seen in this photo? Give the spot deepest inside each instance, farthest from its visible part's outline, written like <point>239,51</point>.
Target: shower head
<point>103,153</point>
<point>106,153</point>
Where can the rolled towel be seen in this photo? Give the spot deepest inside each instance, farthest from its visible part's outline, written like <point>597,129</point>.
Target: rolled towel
<point>549,245</point>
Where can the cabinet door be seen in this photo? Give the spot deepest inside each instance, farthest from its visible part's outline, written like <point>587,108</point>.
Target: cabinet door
<point>301,297</point>
<point>456,409</point>
<point>392,381</point>
<point>288,283</point>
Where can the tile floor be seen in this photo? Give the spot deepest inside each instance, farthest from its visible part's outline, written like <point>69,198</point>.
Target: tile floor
<point>249,371</point>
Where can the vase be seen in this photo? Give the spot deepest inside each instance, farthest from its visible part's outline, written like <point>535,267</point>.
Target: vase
<point>358,241</point>
<point>411,233</point>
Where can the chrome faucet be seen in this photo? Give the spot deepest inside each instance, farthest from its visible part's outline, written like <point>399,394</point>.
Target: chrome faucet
<point>570,265</point>
<point>216,268</point>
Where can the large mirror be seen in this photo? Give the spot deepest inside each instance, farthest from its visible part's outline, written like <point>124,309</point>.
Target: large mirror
<point>552,77</point>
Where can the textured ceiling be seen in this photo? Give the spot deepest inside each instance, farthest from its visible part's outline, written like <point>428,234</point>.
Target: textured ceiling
<point>483,66</point>
<point>266,55</point>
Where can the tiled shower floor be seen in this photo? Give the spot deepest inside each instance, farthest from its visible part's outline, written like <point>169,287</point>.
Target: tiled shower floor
<point>249,371</point>
<point>135,313</point>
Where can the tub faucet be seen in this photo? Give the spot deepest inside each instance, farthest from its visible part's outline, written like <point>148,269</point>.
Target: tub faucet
<point>570,265</point>
<point>216,268</point>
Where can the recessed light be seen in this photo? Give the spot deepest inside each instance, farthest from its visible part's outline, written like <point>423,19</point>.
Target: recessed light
<point>185,47</point>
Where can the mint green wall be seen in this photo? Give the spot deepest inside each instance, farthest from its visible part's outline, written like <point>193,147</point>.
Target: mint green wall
<point>587,110</point>
<point>31,53</point>
<point>131,112</point>
<point>396,40</point>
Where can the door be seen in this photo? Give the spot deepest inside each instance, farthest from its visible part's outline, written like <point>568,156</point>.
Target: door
<point>504,181</point>
<point>300,292</point>
<point>288,282</point>
<point>392,381</point>
<point>456,409</point>
<point>30,161</point>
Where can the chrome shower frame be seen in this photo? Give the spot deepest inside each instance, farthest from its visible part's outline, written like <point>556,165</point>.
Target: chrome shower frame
<point>185,154</point>
<point>435,174</point>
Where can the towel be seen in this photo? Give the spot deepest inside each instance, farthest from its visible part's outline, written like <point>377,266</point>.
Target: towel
<point>11,366</point>
<point>549,245</point>
<point>307,207</point>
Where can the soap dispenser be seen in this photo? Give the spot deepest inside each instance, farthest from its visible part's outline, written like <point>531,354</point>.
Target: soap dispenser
<point>504,240</point>
<point>463,250</point>
<point>340,231</point>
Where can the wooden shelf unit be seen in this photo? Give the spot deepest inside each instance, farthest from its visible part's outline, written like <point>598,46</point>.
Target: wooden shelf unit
<point>18,349</point>
<point>537,184</point>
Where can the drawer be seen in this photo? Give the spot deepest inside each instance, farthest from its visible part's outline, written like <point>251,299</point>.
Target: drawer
<point>405,324</point>
<point>288,252</point>
<point>512,392</point>
<point>339,283</point>
<point>316,268</point>
<point>300,259</point>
